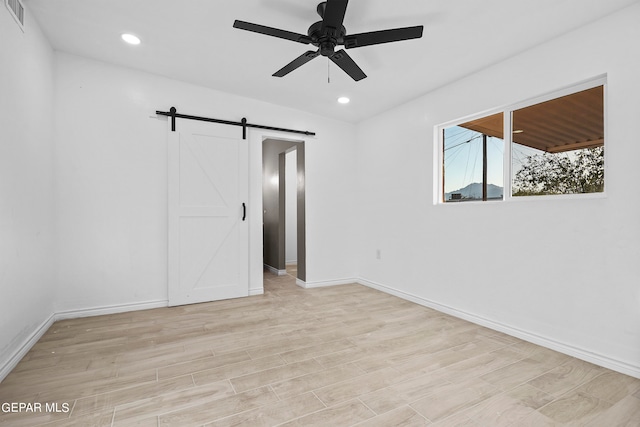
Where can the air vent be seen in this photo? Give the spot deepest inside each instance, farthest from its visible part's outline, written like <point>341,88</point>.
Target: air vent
<point>17,11</point>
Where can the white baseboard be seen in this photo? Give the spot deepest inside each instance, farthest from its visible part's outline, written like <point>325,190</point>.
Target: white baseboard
<point>275,270</point>
<point>598,359</point>
<point>579,353</point>
<point>256,291</point>
<point>110,309</point>
<point>323,283</point>
<point>13,361</point>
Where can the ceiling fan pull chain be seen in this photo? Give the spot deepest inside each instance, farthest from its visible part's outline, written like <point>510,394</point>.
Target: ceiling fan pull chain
<point>328,71</point>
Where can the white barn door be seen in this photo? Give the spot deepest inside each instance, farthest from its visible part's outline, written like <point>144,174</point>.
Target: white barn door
<point>208,228</point>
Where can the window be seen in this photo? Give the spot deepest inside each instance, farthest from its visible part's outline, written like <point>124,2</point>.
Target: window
<point>473,160</point>
<point>555,147</point>
<point>558,145</point>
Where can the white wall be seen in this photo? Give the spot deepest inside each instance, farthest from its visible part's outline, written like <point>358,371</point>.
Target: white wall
<point>27,275</point>
<point>563,272</point>
<point>291,211</point>
<point>112,180</point>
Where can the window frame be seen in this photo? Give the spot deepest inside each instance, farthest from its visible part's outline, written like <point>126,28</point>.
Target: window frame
<point>507,111</point>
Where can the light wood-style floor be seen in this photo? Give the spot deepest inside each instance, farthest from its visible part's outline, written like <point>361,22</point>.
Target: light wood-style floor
<point>338,356</point>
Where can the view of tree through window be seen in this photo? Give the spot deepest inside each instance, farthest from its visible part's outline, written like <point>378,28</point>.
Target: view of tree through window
<point>581,171</point>
<point>558,145</point>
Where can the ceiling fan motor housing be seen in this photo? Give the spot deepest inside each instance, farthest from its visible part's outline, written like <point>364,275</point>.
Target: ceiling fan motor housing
<point>328,39</point>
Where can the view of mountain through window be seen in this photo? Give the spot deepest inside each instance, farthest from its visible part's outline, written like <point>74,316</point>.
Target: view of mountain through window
<point>473,160</point>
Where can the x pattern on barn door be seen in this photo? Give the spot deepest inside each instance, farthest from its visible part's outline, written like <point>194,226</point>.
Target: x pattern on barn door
<point>208,231</point>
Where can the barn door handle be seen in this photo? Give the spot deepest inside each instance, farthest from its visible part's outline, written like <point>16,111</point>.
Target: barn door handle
<point>244,211</point>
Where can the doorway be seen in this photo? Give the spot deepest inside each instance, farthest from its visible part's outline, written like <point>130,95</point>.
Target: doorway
<point>284,218</point>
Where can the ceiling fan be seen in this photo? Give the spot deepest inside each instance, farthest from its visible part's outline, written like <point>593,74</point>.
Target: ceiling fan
<point>329,33</point>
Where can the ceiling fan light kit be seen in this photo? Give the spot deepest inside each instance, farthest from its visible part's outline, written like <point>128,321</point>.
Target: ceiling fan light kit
<point>329,33</point>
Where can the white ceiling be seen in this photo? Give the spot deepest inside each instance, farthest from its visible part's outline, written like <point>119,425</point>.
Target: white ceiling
<point>194,41</point>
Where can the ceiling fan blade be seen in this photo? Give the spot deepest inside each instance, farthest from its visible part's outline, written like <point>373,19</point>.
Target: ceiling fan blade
<point>333,15</point>
<point>344,61</point>
<point>384,36</point>
<point>274,32</point>
<point>298,62</point>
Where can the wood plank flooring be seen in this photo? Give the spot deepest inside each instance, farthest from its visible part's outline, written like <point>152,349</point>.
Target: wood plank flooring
<point>338,356</point>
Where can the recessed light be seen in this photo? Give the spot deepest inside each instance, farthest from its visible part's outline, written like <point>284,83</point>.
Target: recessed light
<point>343,100</point>
<point>131,39</point>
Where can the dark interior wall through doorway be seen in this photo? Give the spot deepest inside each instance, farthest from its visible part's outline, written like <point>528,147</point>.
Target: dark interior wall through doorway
<point>273,204</point>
